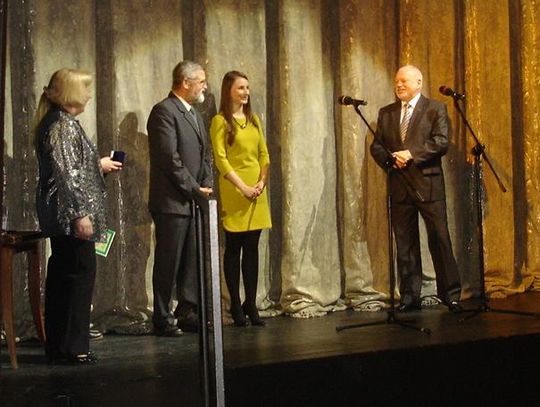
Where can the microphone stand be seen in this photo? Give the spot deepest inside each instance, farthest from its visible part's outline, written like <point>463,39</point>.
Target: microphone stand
<point>391,313</point>
<point>204,343</point>
<point>479,152</point>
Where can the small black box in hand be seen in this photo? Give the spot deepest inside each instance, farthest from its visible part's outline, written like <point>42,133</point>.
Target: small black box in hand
<point>118,155</point>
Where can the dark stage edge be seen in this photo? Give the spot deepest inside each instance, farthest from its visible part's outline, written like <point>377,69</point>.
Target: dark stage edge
<point>492,359</point>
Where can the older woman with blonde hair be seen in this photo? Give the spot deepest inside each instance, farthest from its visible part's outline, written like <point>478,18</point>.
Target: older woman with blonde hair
<point>70,204</point>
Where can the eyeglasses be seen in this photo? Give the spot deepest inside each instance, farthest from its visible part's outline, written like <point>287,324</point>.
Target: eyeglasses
<point>197,81</point>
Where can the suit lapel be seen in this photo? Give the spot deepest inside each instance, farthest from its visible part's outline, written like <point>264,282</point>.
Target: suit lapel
<point>187,116</point>
<point>396,116</point>
<point>417,114</point>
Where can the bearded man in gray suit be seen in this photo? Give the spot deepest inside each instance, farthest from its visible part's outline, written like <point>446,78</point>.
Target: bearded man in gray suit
<point>416,130</point>
<point>180,168</point>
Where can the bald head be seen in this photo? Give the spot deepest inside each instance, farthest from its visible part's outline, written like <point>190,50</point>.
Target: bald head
<point>407,82</point>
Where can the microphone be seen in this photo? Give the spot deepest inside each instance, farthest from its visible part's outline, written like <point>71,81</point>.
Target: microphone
<point>450,92</point>
<point>347,101</point>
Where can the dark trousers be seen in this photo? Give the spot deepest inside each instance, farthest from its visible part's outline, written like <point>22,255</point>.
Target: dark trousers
<point>409,262</point>
<point>244,245</point>
<point>71,272</point>
<point>175,262</point>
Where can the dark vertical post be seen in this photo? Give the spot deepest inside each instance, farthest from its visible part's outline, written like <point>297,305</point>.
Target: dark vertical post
<point>113,302</point>
<point>19,201</point>
<point>518,148</point>
<point>213,254</point>
<point>3,58</point>
<point>463,173</point>
<point>204,348</point>
<point>211,357</point>
<point>273,130</point>
<point>211,363</point>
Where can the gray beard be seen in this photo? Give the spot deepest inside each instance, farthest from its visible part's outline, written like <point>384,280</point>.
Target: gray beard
<point>200,98</point>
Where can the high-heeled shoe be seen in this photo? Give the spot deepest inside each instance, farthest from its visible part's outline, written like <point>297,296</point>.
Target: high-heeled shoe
<point>239,317</point>
<point>253,314</point>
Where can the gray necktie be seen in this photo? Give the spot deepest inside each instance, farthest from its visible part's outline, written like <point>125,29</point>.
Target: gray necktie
<point>194,117</point>
<point>405,122</point>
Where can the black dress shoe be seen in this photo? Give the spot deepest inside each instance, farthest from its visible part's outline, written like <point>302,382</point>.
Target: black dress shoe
<point>169,331</point>
<point>455,307</point>
<point>189,322</point>
<point>413,306</point>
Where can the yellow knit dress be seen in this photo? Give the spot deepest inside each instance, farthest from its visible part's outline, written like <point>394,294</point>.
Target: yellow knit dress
<point>247,155</point>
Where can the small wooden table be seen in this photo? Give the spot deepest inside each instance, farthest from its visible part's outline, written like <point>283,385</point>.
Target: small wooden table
<point>11,243</point>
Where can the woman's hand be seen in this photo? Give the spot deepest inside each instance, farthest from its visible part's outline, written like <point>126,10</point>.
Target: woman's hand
<point>83,228</point>
<point>250,192</point>
<point>259,186</point>
<point>108,165</point>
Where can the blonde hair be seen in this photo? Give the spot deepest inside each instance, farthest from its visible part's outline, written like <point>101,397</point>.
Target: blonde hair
<point>67,87</point>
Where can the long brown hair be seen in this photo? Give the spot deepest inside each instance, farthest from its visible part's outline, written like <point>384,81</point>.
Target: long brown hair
<point>225,105</point>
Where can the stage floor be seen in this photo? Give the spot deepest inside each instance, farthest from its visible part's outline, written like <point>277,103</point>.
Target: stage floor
<point>305,362</point>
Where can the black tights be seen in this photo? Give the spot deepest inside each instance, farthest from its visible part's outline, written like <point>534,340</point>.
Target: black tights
<point>246,246</point>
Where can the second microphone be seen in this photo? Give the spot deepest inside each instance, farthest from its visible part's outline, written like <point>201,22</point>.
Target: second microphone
<point>347,101</point>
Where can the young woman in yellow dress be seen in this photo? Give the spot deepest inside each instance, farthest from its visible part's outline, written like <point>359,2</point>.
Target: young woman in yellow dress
<point>242,159</point>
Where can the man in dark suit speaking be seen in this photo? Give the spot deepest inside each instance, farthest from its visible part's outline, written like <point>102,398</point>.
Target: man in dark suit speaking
<point>180,167</point>
<point>416,131</point>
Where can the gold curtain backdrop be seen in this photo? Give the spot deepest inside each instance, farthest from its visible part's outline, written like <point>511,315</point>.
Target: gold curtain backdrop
<point>530,72</point>
<point>364,69</point>
<point>328,247</point>
<point>487,33</point>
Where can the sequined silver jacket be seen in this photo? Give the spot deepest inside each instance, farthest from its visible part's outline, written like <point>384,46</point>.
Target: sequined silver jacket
<point>71,183</point>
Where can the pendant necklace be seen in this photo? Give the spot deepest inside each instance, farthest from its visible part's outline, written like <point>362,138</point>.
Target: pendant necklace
<point>242,125</point>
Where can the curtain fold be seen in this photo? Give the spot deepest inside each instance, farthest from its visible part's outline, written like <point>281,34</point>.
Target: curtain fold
<point>488,79</point>
<point>362,61</point>
<point>530,71</point>
<point>310,259</point>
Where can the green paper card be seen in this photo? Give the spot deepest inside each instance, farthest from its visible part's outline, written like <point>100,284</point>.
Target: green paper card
<point>102,248</point>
